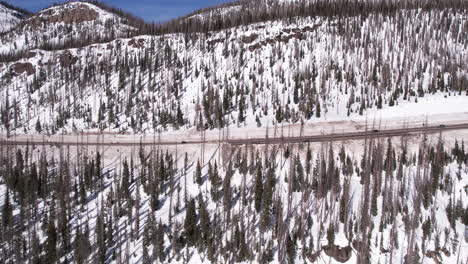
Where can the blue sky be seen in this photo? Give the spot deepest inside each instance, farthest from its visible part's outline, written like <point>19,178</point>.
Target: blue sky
<point>150,10</point>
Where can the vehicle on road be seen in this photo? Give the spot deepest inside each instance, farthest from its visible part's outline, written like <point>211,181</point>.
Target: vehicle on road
<point>183,142</point>
<point>376,131</point>
<point>442,126</point>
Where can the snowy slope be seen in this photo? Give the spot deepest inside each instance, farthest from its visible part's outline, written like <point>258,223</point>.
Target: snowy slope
<point>64,24</point>
<point>312,70</point>
<point>398,215</point>
<point>379,200</point>
<point>8,18</point>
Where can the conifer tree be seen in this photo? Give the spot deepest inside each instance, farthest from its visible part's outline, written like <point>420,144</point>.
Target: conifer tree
<point>7,211</point>
<point>205,224</point>
<point>146,241</point>
<point>318,111</point>
<point>198,174</point>
<point>126,179</point>
<point>331,234</point>
<point>227,188</point>
<point>38,126</point>
<point>216,182</point>
<point>100,238</point>
<point>290,250</point>
<point>190,224</point>
<point>267,198</point>
<point>51,241</point>
<point>258,188</point>
<point>36,249</point>
<point>81,247</point>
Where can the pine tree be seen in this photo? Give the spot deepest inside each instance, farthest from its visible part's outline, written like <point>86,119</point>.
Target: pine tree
<point>227,188</point>
<point>205,223</point>
<point>36,249</point>
<point>81,247</point>
<point>344,201</point>
<point>38,126</point>
<point>215,182</point>
<point>290,250</point>
<point>374,197</point>
<point>267,255</point>
<point>242,106</point>
<point>267,198</point>
<point>296,93</point>
<point>318,110</point>
<point>158,243</point>
<point>331,234</point>
<point>126,179</point>
<point>258,188</point>
<point>465,217</point>
<point>198,174</point>
<point>7,211</point>
<point>146,241</point>
<point>51,241</point>
<point>100,240</point>
<point>190,224</point>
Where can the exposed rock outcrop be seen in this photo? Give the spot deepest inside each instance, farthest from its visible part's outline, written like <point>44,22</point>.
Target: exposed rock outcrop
<point>77,14</point>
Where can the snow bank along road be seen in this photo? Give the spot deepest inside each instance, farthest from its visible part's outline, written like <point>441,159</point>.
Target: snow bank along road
<point>108,140</point>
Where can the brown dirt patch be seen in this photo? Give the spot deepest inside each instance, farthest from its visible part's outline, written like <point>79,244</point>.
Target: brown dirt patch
<point>19,68</point>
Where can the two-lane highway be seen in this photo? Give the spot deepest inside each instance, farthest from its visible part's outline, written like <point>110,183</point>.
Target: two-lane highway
<point>109,140</point>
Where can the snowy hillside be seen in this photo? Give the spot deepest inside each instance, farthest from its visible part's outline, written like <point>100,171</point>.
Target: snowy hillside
<point>280,72</point>
<point>376,201</point>
<point>9,18</point>
<point>63,25</point>
<point>121,180</point>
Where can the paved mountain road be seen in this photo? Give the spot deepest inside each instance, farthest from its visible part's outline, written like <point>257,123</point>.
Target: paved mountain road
<point>108,140</point>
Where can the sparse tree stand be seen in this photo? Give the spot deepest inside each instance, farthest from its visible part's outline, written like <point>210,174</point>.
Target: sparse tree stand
<point>149,88</point>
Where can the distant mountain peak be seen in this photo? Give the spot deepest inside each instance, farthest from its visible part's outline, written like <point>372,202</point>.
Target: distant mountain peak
<point>65,25</point>
<point>70,13</point>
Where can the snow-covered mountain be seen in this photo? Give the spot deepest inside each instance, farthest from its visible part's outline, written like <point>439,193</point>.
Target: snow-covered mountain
<point>252,67</point>
<point>66,24</point>
<point>9,17</point>
<point>306,70</point>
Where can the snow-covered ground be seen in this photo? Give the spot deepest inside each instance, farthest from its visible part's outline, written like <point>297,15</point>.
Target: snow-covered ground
<point>61,24</point>
<point>8,18</point>
<point>436,212</point>
<point>433,110</point>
